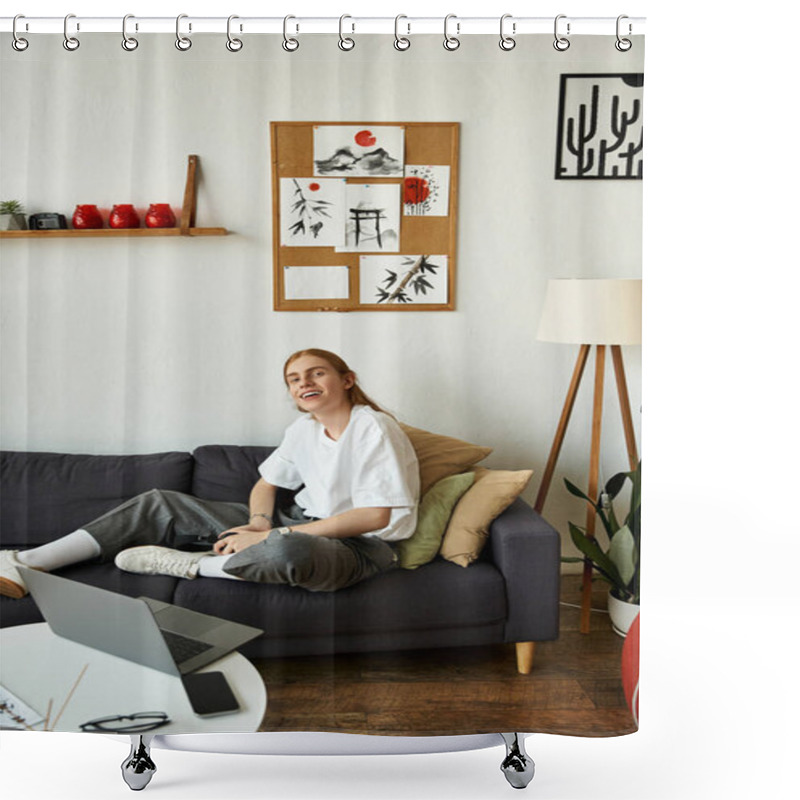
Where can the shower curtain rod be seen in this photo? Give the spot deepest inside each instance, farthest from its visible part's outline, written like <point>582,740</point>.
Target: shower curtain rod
<point>347,25</point>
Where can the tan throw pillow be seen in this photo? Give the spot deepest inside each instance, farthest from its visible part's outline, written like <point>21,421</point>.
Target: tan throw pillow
<point>441,456</point>
<point>491,494</point>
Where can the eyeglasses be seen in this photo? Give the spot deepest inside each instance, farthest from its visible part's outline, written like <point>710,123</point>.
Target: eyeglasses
<point>132,723</point>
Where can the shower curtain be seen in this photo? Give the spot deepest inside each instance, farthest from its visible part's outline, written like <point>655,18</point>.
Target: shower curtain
<point>404,207</point>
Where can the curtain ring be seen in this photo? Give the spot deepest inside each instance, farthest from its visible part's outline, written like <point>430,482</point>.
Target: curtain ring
<point>18,43</point>
<point>70,42</point>
<point>451,42</point>
<point>289,43</point>
<point>129,43</point>
<point>233,44</point>
<point>345,42</point>
<point>623,45</point>
<point>401,42</point>
<point>561,43</point>
<point>507,42</point>
<point>183,43</point>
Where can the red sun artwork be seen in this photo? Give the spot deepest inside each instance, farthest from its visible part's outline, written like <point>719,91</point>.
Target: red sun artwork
<point>415,190</point>
<point>313,187</point>
<point>365,139</point>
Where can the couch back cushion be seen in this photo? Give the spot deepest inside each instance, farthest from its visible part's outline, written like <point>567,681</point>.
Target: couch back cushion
<point>46,495</point>
<point>226,471</point>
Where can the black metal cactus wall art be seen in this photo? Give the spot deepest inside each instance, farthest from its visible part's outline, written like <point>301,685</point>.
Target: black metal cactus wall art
<point>600,133</point>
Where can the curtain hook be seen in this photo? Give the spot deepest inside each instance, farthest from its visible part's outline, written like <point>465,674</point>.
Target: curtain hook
<point>345,42</point>
<point>70,42</point>
<point>561,43</point>
<point>17,42</point>
<point>182,42</point>
<point>507,42</point>
<point>451,42</point>
<point>233,44</point>
<point>401,42</point>
<point>129,43</point>
<point>623,45</point>
<point>289,44</point>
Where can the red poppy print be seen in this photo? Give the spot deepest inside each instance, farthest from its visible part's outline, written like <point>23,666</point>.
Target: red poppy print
<point>313,187</point>
<point>415,190</point>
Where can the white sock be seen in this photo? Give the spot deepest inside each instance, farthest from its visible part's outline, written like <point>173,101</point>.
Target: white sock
<point>69,549</point>
<point>212,568</point>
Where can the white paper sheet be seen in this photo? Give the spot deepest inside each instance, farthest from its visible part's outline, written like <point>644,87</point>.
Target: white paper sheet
<point>312,212</point>
<point>316,283</point>
<point>403,279</point>
<point>373,218</point>
<point>426,190</point>
<point>366,151</point>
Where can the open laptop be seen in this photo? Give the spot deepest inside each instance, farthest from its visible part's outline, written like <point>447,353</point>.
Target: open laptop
<point>149,632</point>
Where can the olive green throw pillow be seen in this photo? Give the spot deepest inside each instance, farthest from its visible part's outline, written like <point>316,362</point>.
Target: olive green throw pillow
<point>434,512</point>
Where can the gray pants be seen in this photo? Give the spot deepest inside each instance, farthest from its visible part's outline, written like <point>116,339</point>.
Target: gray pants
<point>170,518</point>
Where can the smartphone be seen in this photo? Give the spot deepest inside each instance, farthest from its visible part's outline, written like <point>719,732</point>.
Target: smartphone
<point>209,693</point>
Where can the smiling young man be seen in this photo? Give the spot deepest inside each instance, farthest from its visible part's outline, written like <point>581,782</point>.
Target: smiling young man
<point>355,479</point>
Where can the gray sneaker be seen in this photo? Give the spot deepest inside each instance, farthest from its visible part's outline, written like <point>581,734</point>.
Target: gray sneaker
<point>153,560</point>
<point>11,582</point>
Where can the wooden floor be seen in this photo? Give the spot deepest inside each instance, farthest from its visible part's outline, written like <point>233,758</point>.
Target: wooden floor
<point>574,687</point>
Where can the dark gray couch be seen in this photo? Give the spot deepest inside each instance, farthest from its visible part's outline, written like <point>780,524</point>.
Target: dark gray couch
<point>509,595</point>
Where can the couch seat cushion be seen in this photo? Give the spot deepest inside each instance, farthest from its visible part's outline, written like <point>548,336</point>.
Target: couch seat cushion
<point>439,595</point>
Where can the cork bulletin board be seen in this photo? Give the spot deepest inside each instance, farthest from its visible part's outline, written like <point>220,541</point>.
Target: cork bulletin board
<point>364,215</point>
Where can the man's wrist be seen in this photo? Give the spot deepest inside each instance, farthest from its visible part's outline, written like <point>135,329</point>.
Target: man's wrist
<point>264,515</point>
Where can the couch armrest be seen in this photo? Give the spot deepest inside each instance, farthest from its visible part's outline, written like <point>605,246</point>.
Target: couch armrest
<point>527,551</point>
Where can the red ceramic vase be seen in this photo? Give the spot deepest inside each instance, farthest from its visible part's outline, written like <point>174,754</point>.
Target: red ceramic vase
<point>123,216</point>
<point>87,216</point>
<point>160,215</point>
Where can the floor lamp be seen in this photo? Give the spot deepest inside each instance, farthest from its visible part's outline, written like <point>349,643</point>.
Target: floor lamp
<point>591,313</point>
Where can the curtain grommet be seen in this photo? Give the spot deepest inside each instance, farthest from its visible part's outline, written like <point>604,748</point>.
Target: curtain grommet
<point>129,43</point>
<point>561,43</point>
<point>451,43</point>
<point>70,43</point>
<point>233,44</point>
<point>622,44</point>
<point>183,43</point>
<point>507,42</point>
<point>401,43</point>
<point>289,43</point>
<point>346,43</point>
<point>18,42</point>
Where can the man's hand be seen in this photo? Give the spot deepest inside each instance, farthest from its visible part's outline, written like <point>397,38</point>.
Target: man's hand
<point>235,540</point>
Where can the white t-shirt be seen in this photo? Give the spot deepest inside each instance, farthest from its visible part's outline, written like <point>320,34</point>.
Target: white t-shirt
<point>371,465</point>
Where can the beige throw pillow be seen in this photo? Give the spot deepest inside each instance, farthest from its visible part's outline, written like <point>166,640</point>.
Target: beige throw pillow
<point>441,456</point>
<point>490,495</point>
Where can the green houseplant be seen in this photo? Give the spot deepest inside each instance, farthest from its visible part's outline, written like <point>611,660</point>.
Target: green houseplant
<point>12,216</point>
<point>619,563</point>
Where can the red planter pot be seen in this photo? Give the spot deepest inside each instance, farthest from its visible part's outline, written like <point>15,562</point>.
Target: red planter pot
<point>87,216</point>
<point>160,215</point>
<point>123,216</point>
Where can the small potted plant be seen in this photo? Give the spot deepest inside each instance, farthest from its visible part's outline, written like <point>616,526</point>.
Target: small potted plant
<point>12,216</point>
<point>618,564</point>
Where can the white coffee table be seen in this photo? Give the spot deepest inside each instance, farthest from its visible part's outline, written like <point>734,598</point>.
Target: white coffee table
<point>37,666</point>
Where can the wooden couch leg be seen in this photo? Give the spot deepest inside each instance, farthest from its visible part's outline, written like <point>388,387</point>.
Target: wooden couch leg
<point>525,652</point>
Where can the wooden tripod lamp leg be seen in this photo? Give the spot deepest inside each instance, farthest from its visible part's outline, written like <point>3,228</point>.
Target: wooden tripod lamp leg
<point>594,478</point>
<point>625,405</point>
<point>558,440</point>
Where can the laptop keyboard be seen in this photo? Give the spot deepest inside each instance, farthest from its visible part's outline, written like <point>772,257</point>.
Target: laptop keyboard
<point>182,647</point>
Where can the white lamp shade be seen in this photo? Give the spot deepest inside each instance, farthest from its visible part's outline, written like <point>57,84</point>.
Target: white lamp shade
<point>585,311</point>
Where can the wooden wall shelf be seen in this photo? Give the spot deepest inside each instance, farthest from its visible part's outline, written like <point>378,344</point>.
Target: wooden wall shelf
<point>184,228</point>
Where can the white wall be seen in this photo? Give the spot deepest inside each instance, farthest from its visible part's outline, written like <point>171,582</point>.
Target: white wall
<point>143,345</point>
